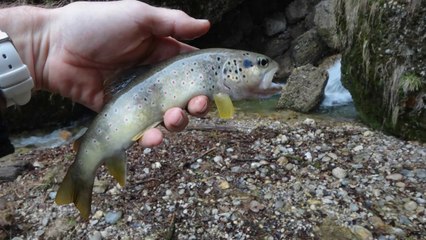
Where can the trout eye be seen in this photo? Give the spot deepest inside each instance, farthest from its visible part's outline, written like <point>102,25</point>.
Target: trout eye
<point>263,62</point>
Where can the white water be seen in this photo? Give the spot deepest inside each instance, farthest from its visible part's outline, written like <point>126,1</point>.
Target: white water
<point>335,93</point>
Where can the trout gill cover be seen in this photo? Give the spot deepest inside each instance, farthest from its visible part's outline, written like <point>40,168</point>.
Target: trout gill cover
<point>220,74</point>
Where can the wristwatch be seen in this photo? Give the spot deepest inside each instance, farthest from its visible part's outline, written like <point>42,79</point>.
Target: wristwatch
<point>15,79</point>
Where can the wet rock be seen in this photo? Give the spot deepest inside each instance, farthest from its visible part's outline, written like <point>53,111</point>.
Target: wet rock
<point>307,48</point>
<point>304,89</point>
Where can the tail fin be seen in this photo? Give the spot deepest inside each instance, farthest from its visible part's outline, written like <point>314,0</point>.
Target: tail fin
<point>78,190</point>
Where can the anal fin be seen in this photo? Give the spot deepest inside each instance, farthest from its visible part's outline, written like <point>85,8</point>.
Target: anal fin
<point>117,167</point>
<point>224,105</point>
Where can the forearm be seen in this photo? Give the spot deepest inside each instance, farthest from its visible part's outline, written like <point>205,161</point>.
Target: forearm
<point>27,27</point>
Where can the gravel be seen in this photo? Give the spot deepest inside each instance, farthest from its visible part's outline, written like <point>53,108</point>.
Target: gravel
<point>264,179</point>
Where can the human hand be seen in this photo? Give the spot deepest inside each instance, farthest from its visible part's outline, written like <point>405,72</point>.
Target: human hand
<point>72,50</point>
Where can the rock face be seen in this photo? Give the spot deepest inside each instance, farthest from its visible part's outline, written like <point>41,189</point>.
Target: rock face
<point>384,64</point>
<point>304,89</point>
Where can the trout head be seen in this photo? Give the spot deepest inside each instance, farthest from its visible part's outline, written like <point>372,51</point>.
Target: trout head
<point>248,75</point>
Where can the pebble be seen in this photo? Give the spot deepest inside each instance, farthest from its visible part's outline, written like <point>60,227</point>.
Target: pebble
<point>113,217</point>
<point>52,195</point>
<point>224,185</point>
<point>255,206</point>
<point>98,214</point>
<point>400,184</point>
<point>156,165</point>
<point>96,235</point>
<point>394,177</point>
<point>309,122</point>
<point>410,206</point>
<point>353,207</point>
<point>236,169</point>
<point>289,166</point>
<point>420,173</point>
<point>377,223</point>
<point>147,150</point>
<point>358,148</point>
<point>339,173</point>
<point>37,164</point>
<point>218,159</point>
<point>308,156</point>
<point>362,233</point>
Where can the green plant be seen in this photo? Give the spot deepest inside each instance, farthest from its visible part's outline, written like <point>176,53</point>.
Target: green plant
<point>410,82</point>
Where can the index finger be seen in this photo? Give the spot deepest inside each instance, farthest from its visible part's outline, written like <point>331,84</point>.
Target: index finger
<point>165,22</point>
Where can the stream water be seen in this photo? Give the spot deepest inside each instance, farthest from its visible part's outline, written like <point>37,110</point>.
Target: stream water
<point>337,103</point>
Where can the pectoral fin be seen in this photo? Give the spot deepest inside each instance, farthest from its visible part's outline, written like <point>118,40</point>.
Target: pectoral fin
<point>224,105</point>
<point>140,134</point>
<point>116,166</point>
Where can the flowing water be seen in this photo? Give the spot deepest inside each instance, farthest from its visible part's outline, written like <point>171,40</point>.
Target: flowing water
<point>337,103</point>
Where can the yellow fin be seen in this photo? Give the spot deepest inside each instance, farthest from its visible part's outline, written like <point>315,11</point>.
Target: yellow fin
<point>224,105</point>
<point>116,166</point>
<point>76,145</point>
<point>141,133</point>
<point>77,190</point>
<point>138,136</point>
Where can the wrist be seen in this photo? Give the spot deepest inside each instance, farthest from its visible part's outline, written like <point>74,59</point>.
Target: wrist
<point>27,28</point>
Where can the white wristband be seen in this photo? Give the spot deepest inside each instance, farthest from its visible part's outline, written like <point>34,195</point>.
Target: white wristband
<point>15,79</point>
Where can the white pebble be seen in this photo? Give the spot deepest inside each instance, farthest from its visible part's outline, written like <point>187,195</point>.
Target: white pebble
<point>339,173</point>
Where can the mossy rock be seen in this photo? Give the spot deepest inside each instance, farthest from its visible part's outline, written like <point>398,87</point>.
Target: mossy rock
<point>383,65</point>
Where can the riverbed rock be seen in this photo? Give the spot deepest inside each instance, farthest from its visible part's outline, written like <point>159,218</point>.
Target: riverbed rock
<point>304,89</point>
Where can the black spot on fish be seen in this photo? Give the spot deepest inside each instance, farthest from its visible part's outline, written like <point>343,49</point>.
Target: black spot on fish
<point>145,99</point>
<point>215,73</point>
<point>239,69</point>
<point>218,58</point>
<point>244,76</point>
<point>236,71</point>
<point>192,69</point>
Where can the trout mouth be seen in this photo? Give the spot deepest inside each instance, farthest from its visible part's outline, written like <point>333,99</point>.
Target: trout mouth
<point>267,88</point>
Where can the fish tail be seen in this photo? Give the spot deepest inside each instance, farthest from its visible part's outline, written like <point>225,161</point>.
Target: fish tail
<point>77,190</point>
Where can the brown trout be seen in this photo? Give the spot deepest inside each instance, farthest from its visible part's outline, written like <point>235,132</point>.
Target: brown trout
<point>220,74</point>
